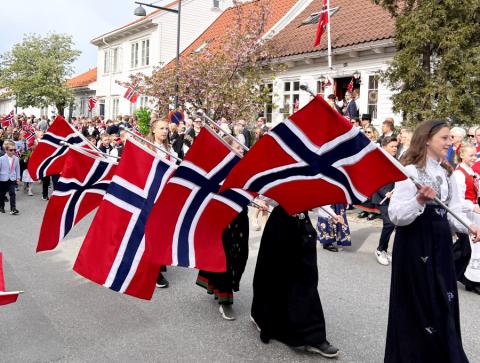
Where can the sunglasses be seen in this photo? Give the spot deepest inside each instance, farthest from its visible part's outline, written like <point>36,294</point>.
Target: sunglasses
<point>10,149</point>
<point>471,135</point>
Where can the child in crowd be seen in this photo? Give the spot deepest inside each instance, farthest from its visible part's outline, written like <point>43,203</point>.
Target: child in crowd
<point>9,176</point>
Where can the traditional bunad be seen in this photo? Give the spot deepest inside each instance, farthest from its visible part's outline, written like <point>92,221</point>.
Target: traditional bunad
<point>466,253</point>
<point>423,320</point>
<point>286,305</point>
<point>329,232</point>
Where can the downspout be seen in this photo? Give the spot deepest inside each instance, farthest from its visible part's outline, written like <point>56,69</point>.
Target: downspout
<point>109,77</point>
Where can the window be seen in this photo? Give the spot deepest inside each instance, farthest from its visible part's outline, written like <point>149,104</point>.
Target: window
<point>142,48</point>
<point>321,88</point>
<point>372,95</point>
<point>291,97</point>
<point>115,107</point>
<point>314,17</point>
<point>101,107</point>
<point>268,109</point>
<point>106,61</point>
<point>145,52</point>
<point>216,4</point>
<point>117,59</point>
<point>134,55</point>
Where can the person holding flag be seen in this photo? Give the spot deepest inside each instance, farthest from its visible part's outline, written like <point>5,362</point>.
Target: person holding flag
<point>423,320</point>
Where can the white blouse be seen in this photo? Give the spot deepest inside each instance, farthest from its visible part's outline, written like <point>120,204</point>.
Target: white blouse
<point>160,151</point>
<point>468,205</point>
<point>404,207</point>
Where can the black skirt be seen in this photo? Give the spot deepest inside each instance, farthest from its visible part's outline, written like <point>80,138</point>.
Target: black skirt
<point>286,305</point>
<point>423,320</point>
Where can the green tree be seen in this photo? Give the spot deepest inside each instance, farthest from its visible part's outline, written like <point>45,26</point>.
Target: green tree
<point>36,70</point>
<point>436,69</point>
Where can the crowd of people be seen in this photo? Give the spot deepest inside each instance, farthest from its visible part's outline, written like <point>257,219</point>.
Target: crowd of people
<point>426,264</point>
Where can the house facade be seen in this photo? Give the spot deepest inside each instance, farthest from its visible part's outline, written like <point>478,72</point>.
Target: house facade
<point>362,36</point>
<point>142,45</point>
<point>83,87</point>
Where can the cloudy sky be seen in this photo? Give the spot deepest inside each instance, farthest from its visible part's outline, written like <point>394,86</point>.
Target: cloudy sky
<point>83,19</point>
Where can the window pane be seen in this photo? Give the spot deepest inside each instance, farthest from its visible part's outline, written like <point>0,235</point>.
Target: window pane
<point>132,56</point>
<point>372,82</point>
<point>147,53</point>
<point>296,86</point>
<point>286,86</point>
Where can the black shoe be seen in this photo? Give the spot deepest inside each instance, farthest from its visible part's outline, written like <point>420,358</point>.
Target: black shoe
<point>162,282</point>
<point>473,288</point>
<point>14,212</point>
<point>371,216</point>
<point>330,247</point>
<point>325,349</point>
<point>2,210</point>
<point>362,214</point>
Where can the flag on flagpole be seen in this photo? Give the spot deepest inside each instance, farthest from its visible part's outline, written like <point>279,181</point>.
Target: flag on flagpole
<point>6,297</point>
<point>323,20</point>
<point>190,216</point>
<point>29,139</point>
<point>115,252</point>
<point>80,189</point>
<point>132,93</point>
<point>49,155</point>
<point>8,120</point>
<point>314,158</point>
<point>350,85</point>
<point>91,103</point>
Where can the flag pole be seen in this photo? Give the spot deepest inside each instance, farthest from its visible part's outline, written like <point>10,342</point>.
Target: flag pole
<point>403,170</point>
<point>329,36</point>
<point>209,120</point>
<point>149,143</point>
<point>83,150</point>
<point>84,138</point>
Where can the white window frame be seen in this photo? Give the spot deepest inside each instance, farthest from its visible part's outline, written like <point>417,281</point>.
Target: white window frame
<point>372,95</point>
<point>106,61</point>
<point>290,95</point>
<point>134,55</point>
<point>145,51</point>
<point>115,107</point>
<point>140,53</point>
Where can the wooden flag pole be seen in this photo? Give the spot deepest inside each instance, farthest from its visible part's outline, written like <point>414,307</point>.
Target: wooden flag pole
<point>149,143</point>
<point>210,121</point>
<point>83,150</point>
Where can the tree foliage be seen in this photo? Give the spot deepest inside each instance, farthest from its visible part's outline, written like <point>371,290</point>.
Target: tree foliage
<point>36,70</point>
<point>224,77</point>
<point>436,69</point>
<point>143,117</point>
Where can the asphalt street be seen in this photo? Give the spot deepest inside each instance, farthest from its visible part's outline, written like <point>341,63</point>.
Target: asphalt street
<point>62,317</point>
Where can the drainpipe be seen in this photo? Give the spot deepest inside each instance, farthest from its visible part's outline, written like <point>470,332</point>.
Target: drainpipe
<point>109,77</point>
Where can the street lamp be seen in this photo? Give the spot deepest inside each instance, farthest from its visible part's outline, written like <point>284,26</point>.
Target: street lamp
<point>140,11</point>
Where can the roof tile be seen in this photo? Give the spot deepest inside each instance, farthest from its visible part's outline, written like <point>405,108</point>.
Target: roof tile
<point>84,79</point>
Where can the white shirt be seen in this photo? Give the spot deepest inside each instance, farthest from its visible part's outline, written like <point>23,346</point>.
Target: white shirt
<point>163,154</point>
<point>468,205</point>
<point>404,207</point>
<point>323,211</point>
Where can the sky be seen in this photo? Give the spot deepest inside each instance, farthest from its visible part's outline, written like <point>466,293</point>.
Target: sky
<point>82,19</point>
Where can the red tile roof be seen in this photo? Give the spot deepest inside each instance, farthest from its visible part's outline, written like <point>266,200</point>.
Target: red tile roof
<point>84,79</point>
<point>355,22</point>
<point>215,34</point>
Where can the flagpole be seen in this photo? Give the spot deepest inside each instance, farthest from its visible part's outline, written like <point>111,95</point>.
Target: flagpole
<point>329,36</point>
<point>149,143</point>
<point>403,170</point>
<point>84,138</point>
<point>208,119</point>
<point>83,150</point>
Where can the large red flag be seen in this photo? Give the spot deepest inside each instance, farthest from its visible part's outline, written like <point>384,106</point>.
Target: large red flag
<point>7,120</point>
<point>115,253</point>
<point>49,155</point>
<point>80,189</point>
<point>6,297</point>
<point>312,159</point>
<point>190,216</point>
<point>323,20</point>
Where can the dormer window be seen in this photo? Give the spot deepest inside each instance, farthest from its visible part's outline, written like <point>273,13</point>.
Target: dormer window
<point>201,47</point>
<point>216,4</point>
<point>313,18</point>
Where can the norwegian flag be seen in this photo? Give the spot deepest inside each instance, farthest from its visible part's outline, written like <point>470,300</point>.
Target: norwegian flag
<point>8,120</point>
<point>350,85</point>
<point>323,20</point>
<point>80,189</point>
<point>29,139</point>
<point>49,155</point>
<point>132,93</point>
<point>189,218</point>
<point>312,159</point>
<point>92,101</point>
<point>6,297</point>
<point>117,255</point>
